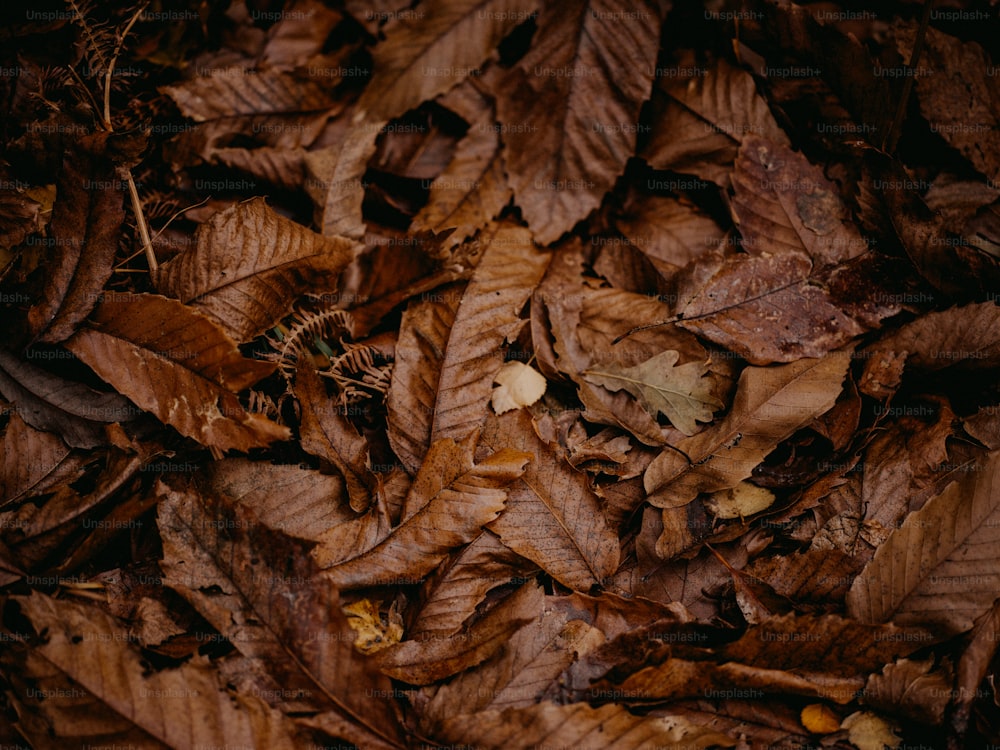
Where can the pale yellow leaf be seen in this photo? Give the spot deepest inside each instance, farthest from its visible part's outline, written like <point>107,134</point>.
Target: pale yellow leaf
<point>519,385</point>
<point>868,731</point>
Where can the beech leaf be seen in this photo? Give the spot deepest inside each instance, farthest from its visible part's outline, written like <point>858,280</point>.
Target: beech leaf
<point>941,568</point>
<point>681,393</point>
<point>176,363</point>
<point>450,500</point>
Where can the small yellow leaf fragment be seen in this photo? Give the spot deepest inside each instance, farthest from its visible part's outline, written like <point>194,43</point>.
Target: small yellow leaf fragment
<point>518,385</point>
<point>372,635</point>
<point>740,501</point>
<point>867,731</point>
<point>820,719</point>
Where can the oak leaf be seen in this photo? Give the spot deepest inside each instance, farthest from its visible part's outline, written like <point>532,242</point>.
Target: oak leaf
<point>681,393</point>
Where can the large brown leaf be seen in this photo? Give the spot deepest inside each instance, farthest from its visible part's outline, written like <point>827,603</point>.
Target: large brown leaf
<point>451,499</point>
<point>472,189</point>
<point>420,353</point>
<point>941,568</point>
<point>552,516</point>
<point>425,55</point>
<point>581,86</point>
<point>771,403</point>
<point>489,314</point>
<point>86,220</point>
<point>176,363</point>
<point>49,402</point>
<point>260,589</point>
<point>704,119</point>
<point>86,680</point>
<point>250,264</point>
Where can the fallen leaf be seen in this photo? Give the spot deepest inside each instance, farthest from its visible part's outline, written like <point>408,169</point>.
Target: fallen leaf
<point>519,385</point>
<point>819,718</point>
<point>176,363</point>
<point>681,393</point>
<point>868,731</point>
<point>743,500</point>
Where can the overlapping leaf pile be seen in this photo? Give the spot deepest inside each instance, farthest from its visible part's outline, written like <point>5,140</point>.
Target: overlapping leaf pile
<point>570,387</point>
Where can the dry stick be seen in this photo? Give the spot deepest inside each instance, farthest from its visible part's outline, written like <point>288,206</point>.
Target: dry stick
<point>140,219</point>
<point>892,137</point>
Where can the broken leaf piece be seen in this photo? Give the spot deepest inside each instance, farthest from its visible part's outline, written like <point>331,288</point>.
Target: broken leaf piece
<point>364,619</point>
<point>519,385</point>
<point>867,731</point>
<point>740,501</point>
<point>682,393</point>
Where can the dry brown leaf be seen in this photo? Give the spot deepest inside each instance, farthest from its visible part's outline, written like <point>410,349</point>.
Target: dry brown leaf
<point>704,118</point>
<point>250,264</point>
<point>328,433</point>
<point>784,204</point>
<point>452,594</point>
<point>489,314</point>
<point>423,56</point>
<point>471,190</point>
<point>570,107</point>
<point>913,689</point>
<point>260,589</point>
<point>450,500</point>
<point>421,662</point>
<point>420,352</point>
<point>957,95</point>
<point>941,567</point>
<point>86,220</point>
<point>92,682</point>
<point>578,726</point>
<point>31,461</point>
<point>552,516</point>
<point>176,363</point>
<point>771,403</point>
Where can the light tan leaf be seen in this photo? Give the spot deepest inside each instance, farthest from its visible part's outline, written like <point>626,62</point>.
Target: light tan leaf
<point>260,589</point>
<point>941,568</point>
<point>372,634</point>
<point>176,363</point>
<point>450,500</point>
<point>552,517</point>
<point>423,56</point>
<point>581,85</point>
<point>868,731</point>
<point>420,352</point>
<point>250,264</point>
<point>771,403</point>
<point>740,501</point>
<point>580,727</point>
<point>519,385</point>
<point>681,393</point>
<point>489,313</point>
<point>703,120</point>
<point>95,683</point>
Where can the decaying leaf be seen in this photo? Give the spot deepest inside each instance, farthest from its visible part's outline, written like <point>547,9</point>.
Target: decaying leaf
<point>681,393</point>
<point>373,635</point>
<point>941,567</point>
<point>740,501</point>
<point>868,731</point>
<point>770,404</point>
<point>175,362</point>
